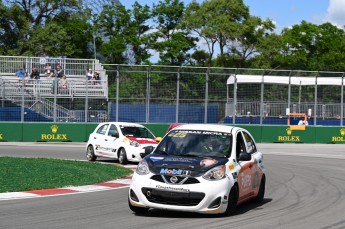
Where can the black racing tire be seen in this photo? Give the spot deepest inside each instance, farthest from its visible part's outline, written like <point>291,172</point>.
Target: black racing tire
<point>232,201</point>
<point>90,153</point>
<point>123,156</point>
<point>138,210</point>
<point>261,194</point>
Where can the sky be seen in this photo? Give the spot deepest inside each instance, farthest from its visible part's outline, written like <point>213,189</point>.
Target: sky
<point>285,13</point>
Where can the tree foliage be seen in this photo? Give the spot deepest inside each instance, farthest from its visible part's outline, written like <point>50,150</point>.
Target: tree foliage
<point>211,33</point>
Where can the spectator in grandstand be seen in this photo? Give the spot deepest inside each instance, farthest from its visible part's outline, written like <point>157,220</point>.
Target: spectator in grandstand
<point>21,76</point>
<point>97,76</point>
<point>89,74</point>
<point>63,85</point>
<point>49,71</point>
<point>59,71</point>
<point>34,75</point>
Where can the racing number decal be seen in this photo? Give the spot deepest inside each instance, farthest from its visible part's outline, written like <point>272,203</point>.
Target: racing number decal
<point>245,180</point>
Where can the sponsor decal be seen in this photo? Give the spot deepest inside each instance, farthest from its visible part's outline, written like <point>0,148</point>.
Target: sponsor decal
<point>208,162</point>
<point>180,159</point>
<point>231,167</point>
<point>54,135</point>
<point>289,137</point>
<point>168,188</point>
<point>174,172</point>
<point>246,180</point>
<point>340,138</point>
<point>154,158</point>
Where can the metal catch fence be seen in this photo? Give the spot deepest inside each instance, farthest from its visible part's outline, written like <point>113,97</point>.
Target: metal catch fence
<point>174,94</point>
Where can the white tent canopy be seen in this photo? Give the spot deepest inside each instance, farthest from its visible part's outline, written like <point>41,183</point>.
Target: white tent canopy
<point>293,80</point>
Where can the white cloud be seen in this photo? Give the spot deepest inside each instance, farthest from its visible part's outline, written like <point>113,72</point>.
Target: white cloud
<point>336,12</point>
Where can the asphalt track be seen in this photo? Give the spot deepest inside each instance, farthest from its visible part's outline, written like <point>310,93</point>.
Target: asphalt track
<point>305,189</point>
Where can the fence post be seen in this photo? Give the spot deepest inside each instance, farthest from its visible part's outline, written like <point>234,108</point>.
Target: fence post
<point>148,82</point>
<point>342,101</point>
<point>177,94</point>
<point>117,94</point>
<point>206,94</point>
<point>315,100</point>
<point>262,97</point>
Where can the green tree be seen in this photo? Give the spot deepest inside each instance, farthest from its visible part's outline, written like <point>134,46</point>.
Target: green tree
<point>23,21</point>
<point>171,40</point>
<point>314,47</point>
<point>112,27</point>
<point>139,37</point>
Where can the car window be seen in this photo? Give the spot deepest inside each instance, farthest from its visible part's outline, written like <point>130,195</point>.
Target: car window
<point>102,129</point>
<point>240,147</point>
<point>113,131</point>
<point>196,143</point>
<point>138,132</point>
<point>249,142</point>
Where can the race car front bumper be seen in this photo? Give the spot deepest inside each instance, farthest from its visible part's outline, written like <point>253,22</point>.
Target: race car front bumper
<point>203,196</point>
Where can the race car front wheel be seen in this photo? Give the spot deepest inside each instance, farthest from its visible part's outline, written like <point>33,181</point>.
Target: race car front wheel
<point>90,153</point>
<point>232,201</point>
<point>123,156</point>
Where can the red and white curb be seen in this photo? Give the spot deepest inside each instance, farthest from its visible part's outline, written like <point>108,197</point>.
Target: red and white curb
<point>115,184</point>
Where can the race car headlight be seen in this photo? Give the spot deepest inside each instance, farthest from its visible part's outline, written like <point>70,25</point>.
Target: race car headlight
<point>131,142</point>
<point>216,173</point>
<point>134,143</point>
<point>142,168</point>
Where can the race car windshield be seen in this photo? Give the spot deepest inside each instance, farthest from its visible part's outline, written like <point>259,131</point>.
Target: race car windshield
<point>138,132</point>
<point>192,143</point>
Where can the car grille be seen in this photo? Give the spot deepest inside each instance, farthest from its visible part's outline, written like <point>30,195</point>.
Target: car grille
<point>180,179</point>
<point>173,198</point>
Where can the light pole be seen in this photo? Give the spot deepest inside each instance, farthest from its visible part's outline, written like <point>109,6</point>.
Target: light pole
<point>94,44</point>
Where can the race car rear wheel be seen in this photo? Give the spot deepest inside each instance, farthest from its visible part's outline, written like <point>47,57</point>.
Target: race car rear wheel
<point>90,153</point>
<point>260,197</point>
<point>232,201</point>
<point>138,210</point>
<point>123,156</point>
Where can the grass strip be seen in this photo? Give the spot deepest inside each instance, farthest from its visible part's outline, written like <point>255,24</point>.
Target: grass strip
<point>23,174</point>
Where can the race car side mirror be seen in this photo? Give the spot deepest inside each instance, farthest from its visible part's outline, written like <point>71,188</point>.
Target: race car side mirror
<point>245,157</point>
<point>158,139</point>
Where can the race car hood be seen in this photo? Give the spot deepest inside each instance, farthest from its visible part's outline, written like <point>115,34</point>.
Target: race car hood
<point>179,165</point>
<point>143,141</point>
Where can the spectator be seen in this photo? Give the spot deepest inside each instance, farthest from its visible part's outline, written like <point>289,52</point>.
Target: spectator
<point>97,77</point>
<point>34,75</point>
<point>59,71</point>
<point>89,74</point>
<point>21,76</point>
<point>49,72</point>
<point>63,85</point>
<point>303,122</point>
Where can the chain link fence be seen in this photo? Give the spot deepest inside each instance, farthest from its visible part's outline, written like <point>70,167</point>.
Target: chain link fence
<point>172,94</point>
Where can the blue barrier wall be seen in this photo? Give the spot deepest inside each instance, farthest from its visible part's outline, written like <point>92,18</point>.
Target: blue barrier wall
<point>188,113</point>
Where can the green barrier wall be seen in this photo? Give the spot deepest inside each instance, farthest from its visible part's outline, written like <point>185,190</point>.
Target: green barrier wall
<point>286,134</point>
<point>79,132</point>
<point>11,132</point>
<point>255,130</point>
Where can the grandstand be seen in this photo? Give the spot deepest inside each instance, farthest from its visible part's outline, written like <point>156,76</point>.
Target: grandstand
<point>38,94</point>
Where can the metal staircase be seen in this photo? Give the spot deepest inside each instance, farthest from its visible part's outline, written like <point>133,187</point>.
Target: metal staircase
<point>19,95</point>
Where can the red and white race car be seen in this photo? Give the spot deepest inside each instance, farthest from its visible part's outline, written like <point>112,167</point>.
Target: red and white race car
<point>120,140</point>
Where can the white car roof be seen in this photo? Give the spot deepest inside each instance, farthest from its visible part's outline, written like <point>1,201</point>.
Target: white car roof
<point>208,127</point>
<point>123,124</point>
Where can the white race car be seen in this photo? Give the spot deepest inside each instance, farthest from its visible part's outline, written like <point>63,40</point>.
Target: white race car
<point>205,168</point>
<point>120,140</point>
